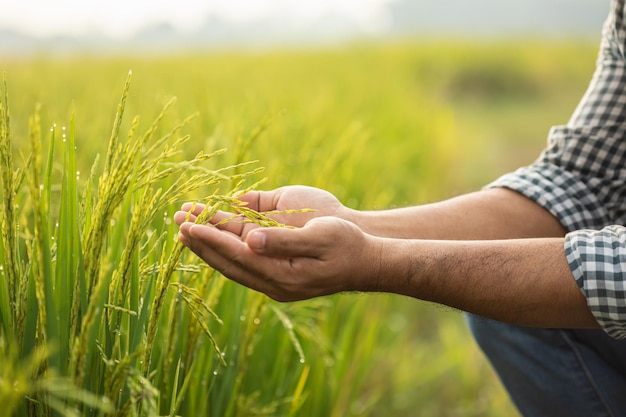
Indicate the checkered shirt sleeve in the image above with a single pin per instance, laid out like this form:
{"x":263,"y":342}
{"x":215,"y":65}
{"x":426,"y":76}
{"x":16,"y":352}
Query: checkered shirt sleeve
{"x":581,"y":179}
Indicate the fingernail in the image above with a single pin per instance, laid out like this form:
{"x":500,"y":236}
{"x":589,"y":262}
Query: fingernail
{"x":256,"y":240}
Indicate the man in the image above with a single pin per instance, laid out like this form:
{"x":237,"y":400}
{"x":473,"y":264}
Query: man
{"x":538,"y":258}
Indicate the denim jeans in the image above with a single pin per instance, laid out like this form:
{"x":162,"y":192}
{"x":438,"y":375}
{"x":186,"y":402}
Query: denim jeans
{"x":554,"y":372}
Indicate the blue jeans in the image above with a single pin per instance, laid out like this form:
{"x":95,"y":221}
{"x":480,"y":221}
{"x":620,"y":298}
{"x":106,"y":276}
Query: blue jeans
{"x":553,"y":372}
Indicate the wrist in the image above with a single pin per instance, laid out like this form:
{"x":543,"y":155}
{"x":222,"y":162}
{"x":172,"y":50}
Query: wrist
{"x":396,"y":266}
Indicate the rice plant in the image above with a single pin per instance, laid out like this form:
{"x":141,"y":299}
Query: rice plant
{"x":100,"y":314}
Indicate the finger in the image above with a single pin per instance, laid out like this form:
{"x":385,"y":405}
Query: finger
{"x":197,"y":207}
{"x":228,"y":221}
{"x":183,"y":216}
{"x":233,"y":258}
{"x":204,"y":240}
{"x":183,"y":239}
{"x":215,"y":260}
{"x":251,"y":198}
{"x":188,"y":212}
{"x":309,"y":242}
{"x":261,"y":200}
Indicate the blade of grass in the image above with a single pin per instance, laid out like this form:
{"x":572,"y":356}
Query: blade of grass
{"x":68,"y":289}
{"x":298,"y":396}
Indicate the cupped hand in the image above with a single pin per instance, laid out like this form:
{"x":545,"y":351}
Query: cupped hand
{"x":327,"y":255}
{"x":294,"y":197}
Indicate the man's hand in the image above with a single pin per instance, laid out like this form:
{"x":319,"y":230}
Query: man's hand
{"x":298,"y":197}
{"x":327,"y":255}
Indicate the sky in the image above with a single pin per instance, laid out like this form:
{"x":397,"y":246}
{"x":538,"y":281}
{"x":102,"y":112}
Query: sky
{"x":120,"y":18}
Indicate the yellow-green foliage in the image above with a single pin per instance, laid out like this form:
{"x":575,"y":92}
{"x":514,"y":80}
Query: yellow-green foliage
{"x":103,"y":313}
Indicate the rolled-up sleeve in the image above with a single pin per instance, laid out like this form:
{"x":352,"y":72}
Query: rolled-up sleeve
{"x":598,"y":262}
{"x":581,"y":179}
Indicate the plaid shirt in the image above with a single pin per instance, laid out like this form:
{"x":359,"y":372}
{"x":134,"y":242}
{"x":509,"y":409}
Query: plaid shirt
{"x":581,"y":179}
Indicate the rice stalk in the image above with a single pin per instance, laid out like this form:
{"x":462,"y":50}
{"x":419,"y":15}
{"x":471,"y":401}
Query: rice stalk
{"x":114,"y":183}
{"x":112,"y":187}
{"x":41,"y":322}
{"x":289,"y":328}
{"x":116,"y":374}
{"x":16,"y":375}
{"x":201,"y":312}
{"x":208,"y":285}
{"x":10,"y":268}
{"x":258,"y":303}
{"x":168,"y":266}
{"x":144,"y":396}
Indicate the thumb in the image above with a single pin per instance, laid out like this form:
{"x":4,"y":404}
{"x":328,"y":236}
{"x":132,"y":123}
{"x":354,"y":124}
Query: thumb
{"x":284,"y":242}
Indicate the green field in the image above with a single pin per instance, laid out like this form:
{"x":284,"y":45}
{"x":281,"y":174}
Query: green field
{"x":378,"y":125}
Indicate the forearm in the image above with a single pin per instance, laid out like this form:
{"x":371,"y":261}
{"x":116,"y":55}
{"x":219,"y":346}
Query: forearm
{"x":488,"y":214}
{"x":523,"y":281}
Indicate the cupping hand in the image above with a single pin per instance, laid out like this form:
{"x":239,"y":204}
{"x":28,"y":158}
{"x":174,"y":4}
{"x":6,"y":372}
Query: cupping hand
{"x":325,"y":256}
{"x":296,"y":197}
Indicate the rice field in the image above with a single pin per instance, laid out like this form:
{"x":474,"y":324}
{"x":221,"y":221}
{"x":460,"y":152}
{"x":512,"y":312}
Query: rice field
{"x":102,"y":311}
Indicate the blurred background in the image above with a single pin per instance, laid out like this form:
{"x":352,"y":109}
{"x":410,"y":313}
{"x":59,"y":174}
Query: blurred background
{"x":69,"y":25}
{"x":385,"y":103}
